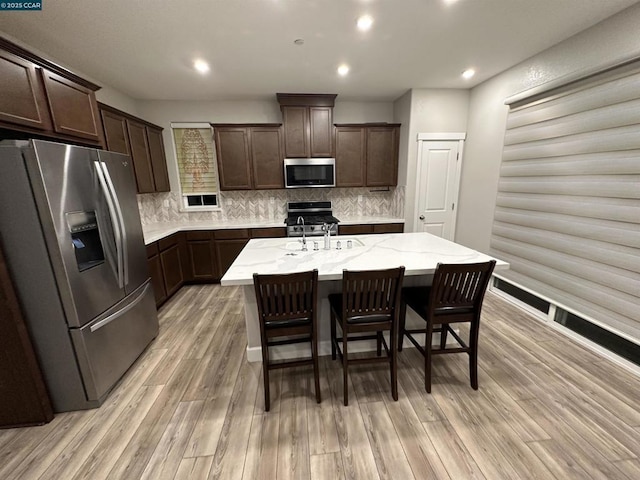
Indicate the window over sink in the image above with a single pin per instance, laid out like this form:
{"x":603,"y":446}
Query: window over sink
{"x":197,"y":166}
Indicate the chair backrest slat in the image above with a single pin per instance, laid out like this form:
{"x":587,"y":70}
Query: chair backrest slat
{"x":459,"y":286}
{"x":281,"y":297}
{"x":371,"y":292}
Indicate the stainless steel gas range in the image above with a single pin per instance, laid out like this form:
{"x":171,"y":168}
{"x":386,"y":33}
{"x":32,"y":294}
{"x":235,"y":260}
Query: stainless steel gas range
{"x":310,"y":217}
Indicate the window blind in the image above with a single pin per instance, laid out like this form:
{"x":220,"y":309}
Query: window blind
{"x":567,"y":214}
{"x":195,"y":157}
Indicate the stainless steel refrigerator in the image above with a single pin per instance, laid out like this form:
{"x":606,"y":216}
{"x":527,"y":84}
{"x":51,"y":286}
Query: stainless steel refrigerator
{"x":70,"y":228}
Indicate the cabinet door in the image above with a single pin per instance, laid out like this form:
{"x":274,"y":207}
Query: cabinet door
{"x":22,"y":99}
{"x":74,"y":110}
{"x":321,"y":131}
{"x":171,"y":269}
{"x":350,"y":156}
{"x":157,"y":279}
{"x":296,"y":131}
{"x":232,"y":147}
{"x":382,"y":156}
{"x":202,"y":261}
{"x":267,"y":157}
{"x":115,"y":132}
{"x":158,"y":159}
{"x":227,"y":251}
{"x":140,"y":156}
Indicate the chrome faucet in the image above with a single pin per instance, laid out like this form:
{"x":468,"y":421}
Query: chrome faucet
{"x":304,"y":238}
{"x":326,"y":228}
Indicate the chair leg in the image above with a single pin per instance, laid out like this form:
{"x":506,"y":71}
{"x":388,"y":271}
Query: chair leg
{"x":394,"y":363}
{"x":333,"y":335}
{"x":265,"y":376}
{"x":473,"y":357}
{"x":428,"y":340}
{"x":443,"y":336}
{"x":379,"y":342}
{"x":316,"y":368}
{"x":402,"y":319}
{"x":345,"y":367}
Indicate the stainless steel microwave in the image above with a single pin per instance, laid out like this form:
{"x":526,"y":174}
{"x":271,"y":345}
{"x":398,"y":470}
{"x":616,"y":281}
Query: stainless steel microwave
{"x":309,"y":172}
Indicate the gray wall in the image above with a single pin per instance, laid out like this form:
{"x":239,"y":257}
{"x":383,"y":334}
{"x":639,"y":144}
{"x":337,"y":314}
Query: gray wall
{"x":429,"y":111}
{"x":617,"y":37}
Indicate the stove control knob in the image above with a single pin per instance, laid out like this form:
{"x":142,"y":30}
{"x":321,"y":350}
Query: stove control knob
{"x":312,"y":227}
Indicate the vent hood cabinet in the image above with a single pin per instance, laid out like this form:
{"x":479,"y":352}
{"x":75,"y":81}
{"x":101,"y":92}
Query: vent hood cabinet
{"x":308,"y":124}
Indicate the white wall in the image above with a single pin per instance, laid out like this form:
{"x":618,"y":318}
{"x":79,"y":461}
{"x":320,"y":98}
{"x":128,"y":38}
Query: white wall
{"x":162,"y":113}
{"x":616,"y":38}
{"x":431,"y":111}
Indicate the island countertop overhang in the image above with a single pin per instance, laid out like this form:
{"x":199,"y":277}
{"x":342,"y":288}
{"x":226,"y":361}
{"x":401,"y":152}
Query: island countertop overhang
{"x":418,"y":252}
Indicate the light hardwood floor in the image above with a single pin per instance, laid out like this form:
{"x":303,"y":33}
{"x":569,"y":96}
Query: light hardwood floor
{"x":192,"y":408}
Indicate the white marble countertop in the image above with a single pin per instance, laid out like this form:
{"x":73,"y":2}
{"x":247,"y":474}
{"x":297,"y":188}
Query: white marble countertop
{"x":157,"y":231}
{"x":418,"y":252}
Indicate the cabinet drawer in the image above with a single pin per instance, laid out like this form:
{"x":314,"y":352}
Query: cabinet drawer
{"x":199,"y":235}
{"x":272,"y":232}
{"x":152,"y":249}
{"x":167,"y":242}
{"x":355,"y":229}
{"x":231,"y":234}
{"x":388,"y":228}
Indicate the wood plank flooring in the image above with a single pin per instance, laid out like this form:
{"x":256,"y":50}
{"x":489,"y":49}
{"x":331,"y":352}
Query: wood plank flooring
{"x":192,"y":408}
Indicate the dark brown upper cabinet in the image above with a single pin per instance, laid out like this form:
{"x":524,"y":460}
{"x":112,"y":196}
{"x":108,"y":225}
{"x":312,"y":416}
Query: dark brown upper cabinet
{"x":350,"y":156}
{"x":40,"y":97}
{"x":250,"y":156}
{"x":367,"y":155}
{"x":124,"y":133}
{"x":308,"y":124}
{"x":22,"y":100}
{"x":73,"y":107}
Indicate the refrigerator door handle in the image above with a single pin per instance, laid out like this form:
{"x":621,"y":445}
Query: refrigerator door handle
{"x":124,"y":240}
{"x":115,"y":222}
{"x":105,"y":321}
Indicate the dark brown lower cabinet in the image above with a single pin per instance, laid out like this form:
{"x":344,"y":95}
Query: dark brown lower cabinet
{"x":157,"y":280}
{"x":229,"y":244}
{"x":171,"y":269}
{"x":23,"y":395}
{"x":269,"y":232}
{"x":202,"y":265}
{"x":166,"y":260}
{"x":363,"y":229}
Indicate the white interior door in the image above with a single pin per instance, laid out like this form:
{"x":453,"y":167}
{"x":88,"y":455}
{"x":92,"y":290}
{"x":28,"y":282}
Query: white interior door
{"x":438,"y":181}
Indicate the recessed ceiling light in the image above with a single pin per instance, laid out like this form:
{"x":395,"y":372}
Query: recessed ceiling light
{"x":201,"y":66}
{"x":468,"y":73}
{"x":343,"y":70}
{"x":365,"y":22}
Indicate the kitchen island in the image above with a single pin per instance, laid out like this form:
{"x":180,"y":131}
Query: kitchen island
{"x":418,"y":252}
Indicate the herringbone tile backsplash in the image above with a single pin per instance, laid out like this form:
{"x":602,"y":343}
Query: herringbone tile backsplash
{"x":272,"y":204}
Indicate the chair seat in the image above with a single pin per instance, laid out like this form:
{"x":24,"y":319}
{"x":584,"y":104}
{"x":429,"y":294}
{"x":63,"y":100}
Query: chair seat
{"x":418,"y":299}
{"x":335,"y":300}
{"x":286,"y":323}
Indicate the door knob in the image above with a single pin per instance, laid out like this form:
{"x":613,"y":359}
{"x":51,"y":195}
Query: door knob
{"x":421,"y":217}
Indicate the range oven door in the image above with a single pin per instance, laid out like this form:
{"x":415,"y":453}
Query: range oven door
{"x":309,"y":172}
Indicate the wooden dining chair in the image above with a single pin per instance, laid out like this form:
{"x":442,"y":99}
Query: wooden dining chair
{"x":455,"y":296}
{"x":287,"y":312}
{"x":369,"y":303}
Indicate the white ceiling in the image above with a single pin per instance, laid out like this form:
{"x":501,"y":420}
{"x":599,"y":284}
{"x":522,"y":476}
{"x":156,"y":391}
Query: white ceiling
{"x":145,"y":48}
